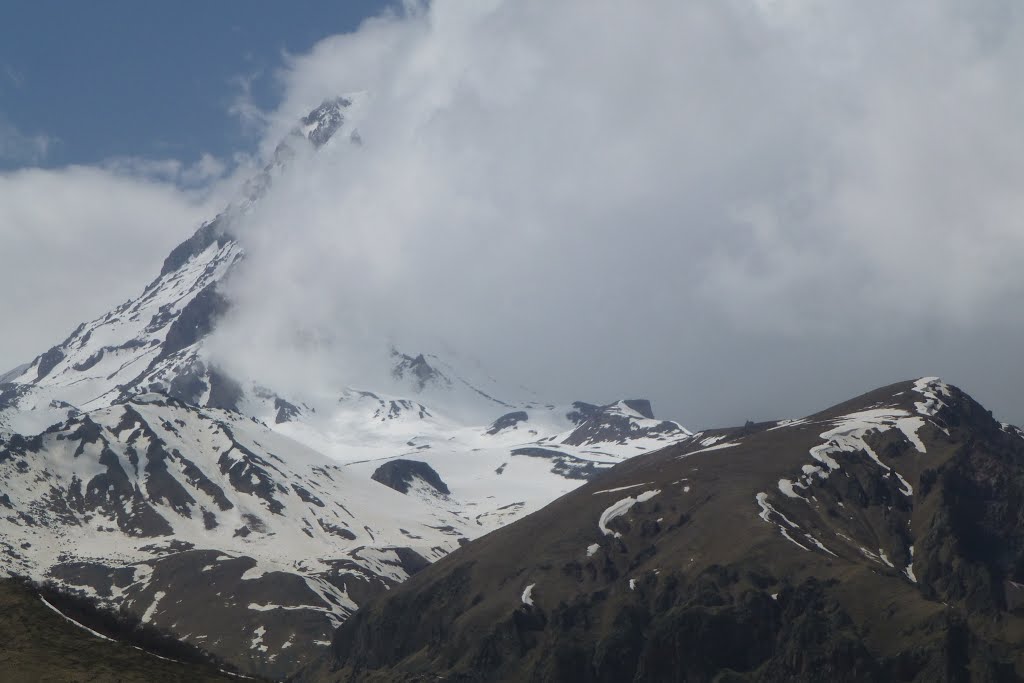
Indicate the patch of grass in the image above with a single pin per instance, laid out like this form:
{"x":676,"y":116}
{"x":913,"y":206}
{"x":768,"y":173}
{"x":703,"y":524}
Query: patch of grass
{"x":37,"y":644}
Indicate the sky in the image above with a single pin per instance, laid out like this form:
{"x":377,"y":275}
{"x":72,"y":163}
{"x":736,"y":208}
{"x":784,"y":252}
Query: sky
{"x":740,"y":209}
{"x":85,"y":82}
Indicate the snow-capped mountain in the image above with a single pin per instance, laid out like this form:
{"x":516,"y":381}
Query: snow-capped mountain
{"x":247,"y":520}
{"x":204,"y":521}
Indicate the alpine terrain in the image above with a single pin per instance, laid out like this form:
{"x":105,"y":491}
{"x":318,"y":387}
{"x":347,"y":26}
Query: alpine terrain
{"x":249,"y":522}
{"x":878,"y":540}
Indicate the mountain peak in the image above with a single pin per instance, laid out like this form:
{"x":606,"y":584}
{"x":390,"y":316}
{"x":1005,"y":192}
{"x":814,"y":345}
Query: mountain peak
{"x":319,"y":125}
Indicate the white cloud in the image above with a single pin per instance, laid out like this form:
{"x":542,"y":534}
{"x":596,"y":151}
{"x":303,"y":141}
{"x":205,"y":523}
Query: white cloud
{"x":15,"y":76}
{"x":703,"y":202}
{"x":19,"y":147}
{"x":75,"y":242}
{"x":243,"y":105}
{"x":202,"y":173}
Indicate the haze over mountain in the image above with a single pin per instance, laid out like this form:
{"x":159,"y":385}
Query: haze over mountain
{"x":715,"y":195}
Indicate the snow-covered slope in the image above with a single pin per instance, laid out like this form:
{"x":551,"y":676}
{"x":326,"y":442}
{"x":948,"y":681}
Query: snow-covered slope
{"x":137,"y":471}
{"x":180,"y":513}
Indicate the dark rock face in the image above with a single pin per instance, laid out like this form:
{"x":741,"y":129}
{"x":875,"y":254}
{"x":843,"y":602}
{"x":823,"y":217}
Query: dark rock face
{"x":210,"y":233}
{"x":581,"y":412}
{"x":725,"y":565}
{"x":392,"y":409}
{"x":189,"y":384}
{"x":194,"y":322}
{"x":225,"y":393}
{"x":48,"y":361}
{"x":508,"y":421}
{"x":642,"y":406}
{"x":411,"y":561}
{"x":90,"y":362}
{"x":399,"y":474}
{"x":609,"y":424}
{"x":10,"y":393}
{"x":285,"y":411}
{"x":974,"y":551}
{"x":326,"y":119}
{"x":416,"y":369}
{"x":248,"y":473}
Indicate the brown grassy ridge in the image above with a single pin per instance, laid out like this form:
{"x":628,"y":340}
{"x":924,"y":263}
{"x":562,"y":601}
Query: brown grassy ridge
{"x":37,"y":644}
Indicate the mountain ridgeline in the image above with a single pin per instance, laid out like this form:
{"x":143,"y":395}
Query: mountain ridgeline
{"x":879,"y":540}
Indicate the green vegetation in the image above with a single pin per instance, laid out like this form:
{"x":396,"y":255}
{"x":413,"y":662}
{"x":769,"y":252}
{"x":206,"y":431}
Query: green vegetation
{"x":37,"y":644}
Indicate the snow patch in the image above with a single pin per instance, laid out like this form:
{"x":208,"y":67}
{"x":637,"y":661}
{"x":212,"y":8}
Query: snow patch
{"x":766,"y":509}
{"x":716,"y":447}
{"x":909,"y":570}
{"x":931,"y":388}
{"x":782,"y":424}
{"x":621,"y":488}
{"x":619,"y":508}
{"x":151,"y":610}
{"x":790,"y":538}
{"x":786,"y":486}
{"x":910,"y":426}
{"x":819,"y":545}
{"x":72,"y":621}
{"x":908,"y":490}
{"x":257,"y":640}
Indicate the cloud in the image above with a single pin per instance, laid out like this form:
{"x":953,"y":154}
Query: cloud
{"x":251,"y":117}
{"x":742,"y":209}
{"x":75,"y":242}
{"x":203,"y":173}
{"x":19,"y":147}
{"x":15,"y":76}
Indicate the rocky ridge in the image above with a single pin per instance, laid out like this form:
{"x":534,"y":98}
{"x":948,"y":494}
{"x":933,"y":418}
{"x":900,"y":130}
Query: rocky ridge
{"x":879,"y":540}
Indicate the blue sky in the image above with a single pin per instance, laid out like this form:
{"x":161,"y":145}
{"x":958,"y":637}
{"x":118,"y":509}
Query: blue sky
{"x":81,"y":82}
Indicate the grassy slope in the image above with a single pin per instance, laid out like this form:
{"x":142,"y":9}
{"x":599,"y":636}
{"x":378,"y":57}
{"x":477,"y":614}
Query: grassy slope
{"x":36,"y":644}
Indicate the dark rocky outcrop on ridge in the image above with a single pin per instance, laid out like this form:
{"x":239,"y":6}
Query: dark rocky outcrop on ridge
{"x":399,"y":474}
{"x":508,"y":421}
